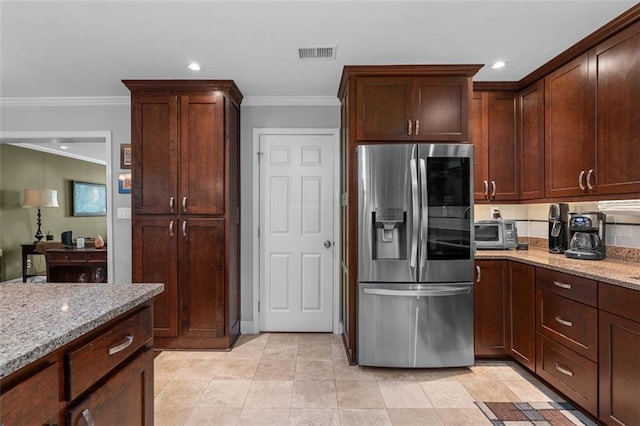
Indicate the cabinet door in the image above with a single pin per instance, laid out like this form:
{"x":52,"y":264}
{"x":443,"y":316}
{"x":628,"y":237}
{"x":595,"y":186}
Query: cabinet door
{"x":501,"y":144}
{"x":618,"y":91}
{"x":155,"y":260}
{"x":384,"y":109}
{"x":155,"y":153}
{"x":202,"y":154}
{"x":479,"y":133}
{"x":522,"y":300}
{"x":441,"y":109}
{"x":569,"y":124}
{"x":531,"y":141}
{"x":202,"y":278}
{"x":33,"y":401}
{"x":491,"y":314}
{"x":124,"y":399}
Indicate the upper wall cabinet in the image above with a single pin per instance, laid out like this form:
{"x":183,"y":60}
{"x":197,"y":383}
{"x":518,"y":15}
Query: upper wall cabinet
{"x":531,"y":141}
{"x":405,"y":104}
{"x":618,"y":113}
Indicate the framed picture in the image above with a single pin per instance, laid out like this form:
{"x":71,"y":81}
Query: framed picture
{"x":88,"y":199}
{"x":124,"y":183}
{"x":125,"y":156}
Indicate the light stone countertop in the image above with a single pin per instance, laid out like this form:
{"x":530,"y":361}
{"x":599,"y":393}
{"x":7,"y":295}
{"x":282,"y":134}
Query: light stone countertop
{"x":617,"y":272}
{"x":37,"y":319}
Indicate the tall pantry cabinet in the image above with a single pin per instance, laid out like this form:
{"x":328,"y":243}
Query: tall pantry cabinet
{"x":185,"y":139}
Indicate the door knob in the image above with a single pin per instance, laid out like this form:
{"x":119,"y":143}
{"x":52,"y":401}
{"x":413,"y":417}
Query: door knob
{"x":328,"y":244}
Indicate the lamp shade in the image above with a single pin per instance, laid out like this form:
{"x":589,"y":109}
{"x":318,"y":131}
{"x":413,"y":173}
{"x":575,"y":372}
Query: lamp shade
{"x":40,"y":198}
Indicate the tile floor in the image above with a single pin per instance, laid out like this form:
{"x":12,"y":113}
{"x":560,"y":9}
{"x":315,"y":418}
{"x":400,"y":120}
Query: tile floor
{"x":290,"y":378}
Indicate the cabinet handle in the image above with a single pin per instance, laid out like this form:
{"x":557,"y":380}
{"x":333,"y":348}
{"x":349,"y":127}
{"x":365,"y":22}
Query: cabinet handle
{"x":563,"y":322}
{"x":417,"y":128}
{"x":184,"y":204}
{"x":409,"y":127}
{"x":171,"y":229}
{"x":580,"y":176}
{"x":493,"y":189}
{"x":86,"y":414}
{"x":479,"y":273}
{"x":562,"y":285}
{"x":589,"y":174}
{"x":128,"y":340}
{"x":171,"y":204}
{"x":184,"y":228}
{"x":485,"y":186}
{"x":563,"y":370}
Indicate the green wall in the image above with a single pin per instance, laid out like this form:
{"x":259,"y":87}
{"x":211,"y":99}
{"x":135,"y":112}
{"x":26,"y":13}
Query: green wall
{"x":22,"y":168}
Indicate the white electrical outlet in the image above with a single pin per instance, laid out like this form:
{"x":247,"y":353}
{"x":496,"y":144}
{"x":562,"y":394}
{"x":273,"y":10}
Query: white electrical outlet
{"x":29,"y":263}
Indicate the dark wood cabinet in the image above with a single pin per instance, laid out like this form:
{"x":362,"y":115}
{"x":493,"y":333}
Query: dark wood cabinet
{"x":35,"y":398}
{"x":491,"y":311}
{"x":530,"y":125}
{"x":76,"y":265}
{"x":522,"y":313}
{"x":619,"y":366}
{"x":570,"y":128}
{"x":186,"y":207}
{"x":494,"y":139}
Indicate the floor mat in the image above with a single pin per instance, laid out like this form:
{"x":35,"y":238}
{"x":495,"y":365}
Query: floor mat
{"x":534,"y":413}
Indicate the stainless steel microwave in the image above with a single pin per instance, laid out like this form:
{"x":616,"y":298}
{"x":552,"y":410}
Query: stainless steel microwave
{"x":496,"y":234}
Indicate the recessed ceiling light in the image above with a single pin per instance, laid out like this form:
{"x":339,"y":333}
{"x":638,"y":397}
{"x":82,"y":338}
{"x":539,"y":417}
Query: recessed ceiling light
{"x":63,"y":147}
{"x":193,"y":66}
{"x":498,"y":64}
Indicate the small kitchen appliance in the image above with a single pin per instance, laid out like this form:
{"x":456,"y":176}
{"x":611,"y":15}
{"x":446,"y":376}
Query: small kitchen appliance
{"x":496,"y":234}
{"x":586,"y":235}
{"x":558,"y":227}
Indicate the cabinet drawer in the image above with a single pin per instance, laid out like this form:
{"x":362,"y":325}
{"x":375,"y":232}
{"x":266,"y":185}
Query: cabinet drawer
{"x":35,"y":399}
{"x":572,"y":374}
{"x":96,"y":256}
{"x":621,"y":301}
{"x":571,"y":323}
{"x":87,"y":364}
{"x":580,"y":289}
{"x":65,"y":256}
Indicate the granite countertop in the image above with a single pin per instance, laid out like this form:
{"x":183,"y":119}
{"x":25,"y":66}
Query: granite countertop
{"x":37,"y":319}
{"x":617,"y":272}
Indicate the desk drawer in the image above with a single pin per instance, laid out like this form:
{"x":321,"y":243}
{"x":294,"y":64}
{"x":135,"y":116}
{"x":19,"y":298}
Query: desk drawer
{"x":570,"y":373}
{"x":580,"y":289}
{"x":96,"y":256}
{"x":87,"y":364}
{"x":65,"y":256}
{"x":571,"y":323}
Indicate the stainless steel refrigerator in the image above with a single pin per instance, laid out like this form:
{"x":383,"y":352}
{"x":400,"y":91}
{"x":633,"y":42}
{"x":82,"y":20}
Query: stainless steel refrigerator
{"x":415,"y":262}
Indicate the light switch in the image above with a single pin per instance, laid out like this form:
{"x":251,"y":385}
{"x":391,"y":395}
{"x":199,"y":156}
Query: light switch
{"x":124,"y":213}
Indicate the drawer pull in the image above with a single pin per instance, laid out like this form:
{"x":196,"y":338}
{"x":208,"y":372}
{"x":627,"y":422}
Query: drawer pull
{"x":564,"y":322}
{"x":86,"y":414}
{"x":562,"y":285}
{"x":122,"y":346}
{"x":564,"y":370}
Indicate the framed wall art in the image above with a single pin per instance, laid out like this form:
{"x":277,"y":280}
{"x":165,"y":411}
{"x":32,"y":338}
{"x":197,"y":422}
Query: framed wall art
{"x":125,"y":156}
{"x":124,"y":183}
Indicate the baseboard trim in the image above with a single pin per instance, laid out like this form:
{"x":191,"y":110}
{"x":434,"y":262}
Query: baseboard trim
{"x":248,"y":327}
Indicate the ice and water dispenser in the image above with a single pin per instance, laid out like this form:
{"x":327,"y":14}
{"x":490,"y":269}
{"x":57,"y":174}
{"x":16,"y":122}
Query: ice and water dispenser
{"x":389,"y":233}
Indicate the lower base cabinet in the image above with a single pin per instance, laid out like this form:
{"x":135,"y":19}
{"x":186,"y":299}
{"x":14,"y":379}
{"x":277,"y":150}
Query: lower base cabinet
{"x":491,"y":320}
{"x":522,"y":313}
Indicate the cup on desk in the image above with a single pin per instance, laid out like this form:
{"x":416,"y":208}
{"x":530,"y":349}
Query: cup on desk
{"x":80,"y":243}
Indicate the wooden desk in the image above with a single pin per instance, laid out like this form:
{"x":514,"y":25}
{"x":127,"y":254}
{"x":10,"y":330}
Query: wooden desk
{"x":66,"y":265}
{"x":28,"y":250}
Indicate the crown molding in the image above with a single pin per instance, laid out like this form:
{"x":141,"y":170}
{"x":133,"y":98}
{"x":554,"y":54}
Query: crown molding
{"x":66,"y":101}
{"x":290,"y":101}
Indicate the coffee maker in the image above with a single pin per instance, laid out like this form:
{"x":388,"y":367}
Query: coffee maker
{"x":586,"y":235}
{"x":558,"y":227}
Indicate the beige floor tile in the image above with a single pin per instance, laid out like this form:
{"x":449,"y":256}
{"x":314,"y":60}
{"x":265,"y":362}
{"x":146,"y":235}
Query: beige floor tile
{"x":276,"y":369}
{"x":463,"y":417}
{"x":159,"y":384}
{"x":359,"y":394}
{"x":315,"y":338}
{"x":170,"y":416}
{"x":233,"y":369}
{"x":181,"y":393}
{"x":403,"y":394}
{"x":394,"y":374}
{"x":204,"y":416}
{"x":274,"y":351}
{"x":197,"y":369}
{"x":315,"y":351}
{"x":283,"y":338}
{"x":314,"y":417}
{"x":448,"y":394}
{"x":174,"y":355}
{"x":476,"y":373}
{"x":415,"y":416}
{"x":263,"y":416}
{"x":166,"y":368}
{"x":210,"y":355}
{"x":344,"y":371}
{"x":505,"y":372}
{"x":269,"y":394}
{"x":314,"y":394}
{"x":314,"y":370}
{"x":364,"y":417}
{"x":526,"y":391}
{"x":225,"y":393}
{"x":490,"y":391}
{"x":440,"y":374}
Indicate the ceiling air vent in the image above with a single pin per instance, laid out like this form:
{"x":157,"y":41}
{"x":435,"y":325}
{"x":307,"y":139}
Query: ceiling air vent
{"x":317,"y":53}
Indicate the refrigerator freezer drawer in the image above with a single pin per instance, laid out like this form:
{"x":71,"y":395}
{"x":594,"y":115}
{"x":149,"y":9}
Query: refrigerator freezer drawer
{"x":415,"y":325}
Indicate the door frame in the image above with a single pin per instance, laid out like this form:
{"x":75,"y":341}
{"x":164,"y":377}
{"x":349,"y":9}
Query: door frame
{"x":257,"y":279}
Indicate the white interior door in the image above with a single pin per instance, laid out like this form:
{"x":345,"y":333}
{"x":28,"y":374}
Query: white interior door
{"x":296,"y":232}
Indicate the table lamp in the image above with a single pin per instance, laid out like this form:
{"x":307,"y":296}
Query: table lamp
{"x":40,"y":198}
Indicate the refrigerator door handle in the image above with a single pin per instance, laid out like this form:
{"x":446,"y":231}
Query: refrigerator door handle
{"x":414,"y":211}
{"x":424,"y":222}
{"x":418,"y":293}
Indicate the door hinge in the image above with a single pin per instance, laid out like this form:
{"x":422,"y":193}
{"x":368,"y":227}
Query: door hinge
{"x":258,"y":306}
{"x":258,"y":232}
{"x":260,"y":154}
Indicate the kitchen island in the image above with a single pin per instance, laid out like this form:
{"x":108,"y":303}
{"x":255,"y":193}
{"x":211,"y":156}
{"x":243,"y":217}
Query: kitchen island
{"x":72,"y":350}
